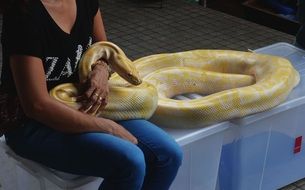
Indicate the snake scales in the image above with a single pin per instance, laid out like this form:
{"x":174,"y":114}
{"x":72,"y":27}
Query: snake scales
{"x":233,"y":84}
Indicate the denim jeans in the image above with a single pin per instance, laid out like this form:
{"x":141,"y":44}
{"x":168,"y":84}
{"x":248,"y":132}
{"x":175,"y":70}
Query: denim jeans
{"x":150,"y":165}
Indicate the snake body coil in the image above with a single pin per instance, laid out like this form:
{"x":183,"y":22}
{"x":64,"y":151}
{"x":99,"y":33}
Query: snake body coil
{"x":126,"y":101}
{"x":233,"y":84}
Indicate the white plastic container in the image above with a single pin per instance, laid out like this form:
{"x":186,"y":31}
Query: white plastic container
{"x":201,"y":148}
{"x":260,"y":151}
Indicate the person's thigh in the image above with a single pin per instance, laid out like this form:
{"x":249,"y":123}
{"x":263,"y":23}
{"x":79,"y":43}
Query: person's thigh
{"x":94,"y":154}
{"x":155,"y":143}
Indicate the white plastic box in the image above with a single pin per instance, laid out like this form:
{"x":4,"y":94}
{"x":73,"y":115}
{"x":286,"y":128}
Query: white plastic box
{"x":258,"y":151}
{"x":201,"y":149}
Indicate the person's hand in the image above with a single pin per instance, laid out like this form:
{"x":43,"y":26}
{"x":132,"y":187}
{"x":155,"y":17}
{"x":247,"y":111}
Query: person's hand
{"x":115,"y":129}
{"x":96,"y":89}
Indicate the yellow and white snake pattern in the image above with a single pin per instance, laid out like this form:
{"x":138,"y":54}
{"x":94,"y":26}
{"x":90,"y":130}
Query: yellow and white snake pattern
{"x":233,"y":84}
{"x":126,"y":101}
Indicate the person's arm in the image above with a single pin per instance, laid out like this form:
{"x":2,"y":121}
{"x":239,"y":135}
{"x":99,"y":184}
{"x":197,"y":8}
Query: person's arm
{"x":99,"y":33}
{"x":29,"y":77}
{"x":96,"y":94}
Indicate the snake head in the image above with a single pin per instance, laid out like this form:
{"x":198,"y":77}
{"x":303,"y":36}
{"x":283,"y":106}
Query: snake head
{"x":126,"y":69}
{"x":133,"y":78}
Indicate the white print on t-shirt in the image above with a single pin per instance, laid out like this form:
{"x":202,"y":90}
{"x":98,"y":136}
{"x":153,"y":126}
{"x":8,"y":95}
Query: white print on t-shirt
{"x":89,"y":43}
{"x":79,"y":52}
{"x":53,"y":61}
{"x":67,"y":70}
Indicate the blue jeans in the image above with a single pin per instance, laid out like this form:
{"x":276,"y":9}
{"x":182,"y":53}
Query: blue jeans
{"x":150,"y":165}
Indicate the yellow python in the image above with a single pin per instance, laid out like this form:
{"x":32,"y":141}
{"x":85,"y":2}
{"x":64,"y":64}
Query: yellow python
{"x":234,"y":84}
{"x":125,"y":100}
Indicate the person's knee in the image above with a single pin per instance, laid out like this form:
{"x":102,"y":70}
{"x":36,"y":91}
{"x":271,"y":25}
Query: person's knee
{"x":130,"y":170}
{"x":173,"y":155}
{"x":176,"y":155}
{"x":134,"y":162}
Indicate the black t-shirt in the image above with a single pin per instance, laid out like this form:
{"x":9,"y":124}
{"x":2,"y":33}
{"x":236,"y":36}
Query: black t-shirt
{"x":33,"y":32}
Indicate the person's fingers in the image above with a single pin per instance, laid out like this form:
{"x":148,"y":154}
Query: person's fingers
{"x":104,"y":95}
{"x":95,"y":96}
{"x":125,"y":134}
{"x":90,"y":92}
{"x":86,"y":109}
{"x":88,"y":103}
{"x":104,"y":102}
{"x":95,"y":88}
{"x":128,"y":136}
{"x":95,"y":106}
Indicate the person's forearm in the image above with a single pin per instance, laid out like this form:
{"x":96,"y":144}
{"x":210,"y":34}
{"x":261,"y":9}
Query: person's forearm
{"x":29,"y":77}
{"x":62,"y":118}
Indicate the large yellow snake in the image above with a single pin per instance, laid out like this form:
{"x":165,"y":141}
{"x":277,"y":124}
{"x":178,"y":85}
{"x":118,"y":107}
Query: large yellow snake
{"x":126,"y":101}
{"x":233,"y":84}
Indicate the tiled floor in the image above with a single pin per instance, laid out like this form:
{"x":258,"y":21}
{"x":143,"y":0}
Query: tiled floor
{"x":180,"y":26}
{"x":141,"y":28}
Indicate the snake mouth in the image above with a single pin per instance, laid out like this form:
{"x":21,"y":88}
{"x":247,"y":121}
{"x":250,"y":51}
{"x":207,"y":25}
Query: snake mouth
{"x":136,"y":81}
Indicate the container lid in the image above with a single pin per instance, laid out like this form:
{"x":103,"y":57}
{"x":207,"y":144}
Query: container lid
{"x":297,"y":96}
{"x":187,"y":136}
